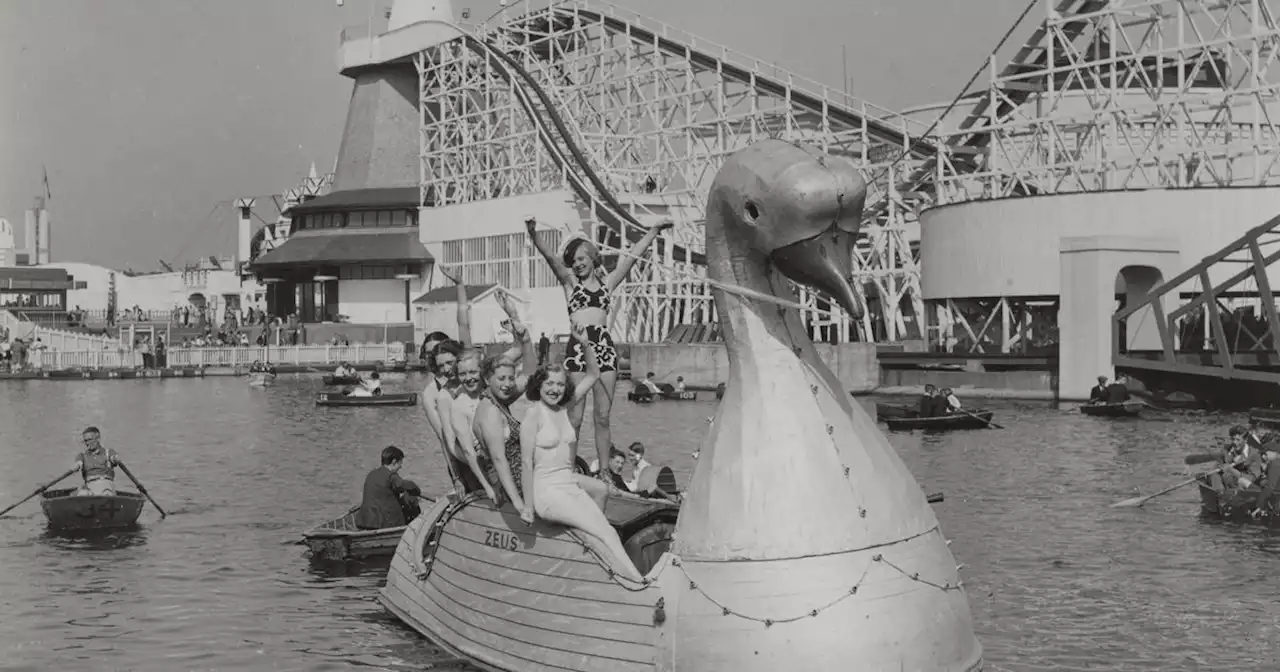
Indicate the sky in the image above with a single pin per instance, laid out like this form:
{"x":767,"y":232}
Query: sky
{"x":152,"y":116}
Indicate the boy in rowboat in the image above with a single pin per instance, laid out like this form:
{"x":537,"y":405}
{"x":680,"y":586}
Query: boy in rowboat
{"x":96,"y":465}
{"x":388,"y":500}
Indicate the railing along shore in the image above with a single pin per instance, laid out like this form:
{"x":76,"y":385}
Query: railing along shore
{"x":228,"y":357}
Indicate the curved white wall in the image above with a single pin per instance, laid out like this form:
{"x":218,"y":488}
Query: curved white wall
{"x":1009,"y":247}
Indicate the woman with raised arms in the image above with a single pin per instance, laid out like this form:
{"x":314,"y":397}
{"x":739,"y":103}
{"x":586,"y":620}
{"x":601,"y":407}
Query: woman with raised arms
{"x":588,"y":291}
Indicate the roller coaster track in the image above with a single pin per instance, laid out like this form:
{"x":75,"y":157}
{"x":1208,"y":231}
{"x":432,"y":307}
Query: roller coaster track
{"x":613,"y":214}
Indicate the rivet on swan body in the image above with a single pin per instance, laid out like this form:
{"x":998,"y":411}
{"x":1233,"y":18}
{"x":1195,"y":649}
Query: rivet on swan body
{"x":804,"y":542}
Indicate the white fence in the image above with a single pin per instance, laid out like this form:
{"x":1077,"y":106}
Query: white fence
{"x":300,"y":355}
{"x":57,"y":339}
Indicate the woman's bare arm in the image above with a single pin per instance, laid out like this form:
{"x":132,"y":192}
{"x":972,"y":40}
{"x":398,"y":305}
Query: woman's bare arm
{"x":430,"y":398}
{"x":557,"y":267}
{"x":467,"y":442}
{"x":464,"y":304}
{"x":489,"y":424}
{"x":528,"y":438}
{"x":628,"y":260}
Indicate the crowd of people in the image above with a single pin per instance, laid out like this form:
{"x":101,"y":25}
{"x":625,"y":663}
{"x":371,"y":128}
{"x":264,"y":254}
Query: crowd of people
{"x":531,"y":462}
{"x":938,"y":402}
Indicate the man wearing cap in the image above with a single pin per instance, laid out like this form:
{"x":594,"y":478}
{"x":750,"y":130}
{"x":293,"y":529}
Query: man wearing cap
{"x":96,"y":465}
{"x":1098,"y":395}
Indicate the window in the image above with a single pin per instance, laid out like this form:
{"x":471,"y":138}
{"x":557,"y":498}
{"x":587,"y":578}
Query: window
{"x":508,"y":259}
{"x":372,"y":271}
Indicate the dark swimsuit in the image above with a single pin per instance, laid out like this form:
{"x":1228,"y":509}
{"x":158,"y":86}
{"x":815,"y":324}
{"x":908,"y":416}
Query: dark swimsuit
{"x":606,"y":355}
{"x":511,"y":448}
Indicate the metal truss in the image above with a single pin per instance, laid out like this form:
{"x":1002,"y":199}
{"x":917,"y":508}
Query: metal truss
{"x":656,"y":111}
{"x":1124,"y":94}
{"x":1225,"y":329}
{"x":1021,"y":325}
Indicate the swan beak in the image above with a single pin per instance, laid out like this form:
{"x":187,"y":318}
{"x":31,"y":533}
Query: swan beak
{"x":823,"y":263}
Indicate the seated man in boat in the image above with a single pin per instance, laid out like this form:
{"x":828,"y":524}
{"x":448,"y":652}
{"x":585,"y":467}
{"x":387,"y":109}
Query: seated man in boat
{"x":930,"y":403}
{"x":1118,"y":392}
{"x":647,"y":385}
{"x":951,"y":401}
{"x":388,"y":500}
{"x":368,"y":387}
{"x":1242,"y":463}
{"x":96,"y":465}
{"x":1269,"y":481}
{"x":1098,"y":395}
{"x":617,"y":460}
{"x":344,"y":370}
{"x":679,"y":384}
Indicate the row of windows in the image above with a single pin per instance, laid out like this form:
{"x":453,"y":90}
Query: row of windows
{"x":361,"y":219}
{"x":510,"y":260}
{"x":372,"y":272}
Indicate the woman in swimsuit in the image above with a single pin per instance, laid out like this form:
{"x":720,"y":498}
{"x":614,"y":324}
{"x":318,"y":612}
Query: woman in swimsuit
{"x":588,"y":295}
{"x":497,"y":430}
{"x":457,"y":407}
{"x":549,"y":447}
{"x":442,"y":357}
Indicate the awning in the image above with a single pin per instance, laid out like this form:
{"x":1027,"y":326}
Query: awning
{"x":381,"y":198}
{"x":449,"y":293}
{"x":331,"y":248}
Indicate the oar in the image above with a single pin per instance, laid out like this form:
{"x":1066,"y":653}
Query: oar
{"x":1201,"y":458}
{"x":979,"y":417}
{"x":140,"y":488}
{"x":1135,"y":502}
{"x":934,"y":498}
{"x":39,"y":490}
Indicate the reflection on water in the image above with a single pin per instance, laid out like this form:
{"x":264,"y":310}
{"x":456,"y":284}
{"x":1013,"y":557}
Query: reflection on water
{"x":1057,"y":579}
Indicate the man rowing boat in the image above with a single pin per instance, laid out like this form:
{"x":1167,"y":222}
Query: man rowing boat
{"x":387,"y":499}
{"x":96,"y":465}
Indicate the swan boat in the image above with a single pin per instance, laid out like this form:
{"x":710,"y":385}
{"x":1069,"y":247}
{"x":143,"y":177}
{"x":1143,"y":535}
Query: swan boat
{"x":758,"y":574}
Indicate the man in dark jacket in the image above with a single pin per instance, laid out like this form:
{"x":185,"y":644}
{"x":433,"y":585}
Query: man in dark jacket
{"x":931,"y":405}
{"x":1098,"y":395}
{"x":1118,"y":392}
{"x":389,"y":501}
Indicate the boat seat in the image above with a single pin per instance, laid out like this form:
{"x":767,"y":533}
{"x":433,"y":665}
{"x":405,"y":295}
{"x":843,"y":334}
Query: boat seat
{"x":629,"y":513}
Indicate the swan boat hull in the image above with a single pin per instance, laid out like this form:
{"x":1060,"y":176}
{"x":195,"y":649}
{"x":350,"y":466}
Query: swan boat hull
{"x":479,"y":582}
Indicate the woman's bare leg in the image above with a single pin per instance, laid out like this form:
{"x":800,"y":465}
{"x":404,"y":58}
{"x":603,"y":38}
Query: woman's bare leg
{"x":602,"y":407}
{"x":577,"y":410}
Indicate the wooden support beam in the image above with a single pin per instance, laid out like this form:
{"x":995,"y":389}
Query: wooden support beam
{"x":1264,"y":289}
{"x":1215,"y":321}
{"x":1196,"y":369}
{"x":1163,"y":326}
{"x":1220,"y":290}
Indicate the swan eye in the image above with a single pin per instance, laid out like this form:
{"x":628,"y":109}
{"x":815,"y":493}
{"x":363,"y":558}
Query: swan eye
{"x":753,"y":212}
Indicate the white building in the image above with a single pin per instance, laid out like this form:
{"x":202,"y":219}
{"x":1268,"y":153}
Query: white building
{"x":215,"y":286}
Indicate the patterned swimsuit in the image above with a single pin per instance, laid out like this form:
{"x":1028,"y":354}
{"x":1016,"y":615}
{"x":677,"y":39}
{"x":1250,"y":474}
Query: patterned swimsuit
{"x":606,"y":355}
{"x":510,"y":448}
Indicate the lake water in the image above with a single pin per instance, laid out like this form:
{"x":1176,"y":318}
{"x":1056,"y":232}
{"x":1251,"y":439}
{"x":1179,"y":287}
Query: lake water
{"x":1057,"y":580}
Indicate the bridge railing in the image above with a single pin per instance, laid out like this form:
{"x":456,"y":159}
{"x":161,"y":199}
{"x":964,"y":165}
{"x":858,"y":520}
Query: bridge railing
{"x":1213,"y":319}
{"x":298,"y":355}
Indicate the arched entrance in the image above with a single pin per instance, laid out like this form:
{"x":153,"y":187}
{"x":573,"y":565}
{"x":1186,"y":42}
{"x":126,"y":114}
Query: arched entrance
{"x":1140,"y":331}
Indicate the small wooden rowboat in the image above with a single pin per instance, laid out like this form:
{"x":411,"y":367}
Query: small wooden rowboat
{"x":884,"y":411}
{"x":341,"y":380}
{"x":339,"y":399}
{"x":646,"y":397}
{"x":1235,"y":505}
{"x":975,"y":419}
{"x":340,"y":539}
{"x":68,"y":511}
{"x":484,"y":586}
{"x":260,"y":379}
{"x":1124,"y":409}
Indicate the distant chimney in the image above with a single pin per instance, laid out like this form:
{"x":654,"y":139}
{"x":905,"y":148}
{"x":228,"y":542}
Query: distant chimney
{"x":43,"y":240}
{"x":244,"y":231}
{"x":28,"y":247}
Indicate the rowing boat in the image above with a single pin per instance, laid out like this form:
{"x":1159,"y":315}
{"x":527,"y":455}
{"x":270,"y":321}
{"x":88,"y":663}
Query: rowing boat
{"x":1236,"y":505}
{"x":1268,"y":417}
{"x":260,"y":378}
{"x":978,"y":419}
{"x":68,"y":511}
{"x":884,"y":411}
{"x":339,"y":399}
{"x":646,"y":397}
{"x":485,"y":586}
{"x":340,"y":539}
{"x":1124,"y":409}
{"x":340,"y":380}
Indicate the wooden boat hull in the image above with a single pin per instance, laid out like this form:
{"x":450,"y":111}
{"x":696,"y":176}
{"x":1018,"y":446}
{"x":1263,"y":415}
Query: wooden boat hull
{"x":339,"y":399}
{"x":978,"y":419}
{"x":260,"y":379}
{"x":1127,"y":409}
{"x":340,"y":380}
{"x":482,"y":584}
{"x":1235,"y":506}
{"x":340,"y":539}
{"x":69,"y":511}
{"x":645,"y":397}
{"x":1267,"y":417}
{"x":884,"y":411}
